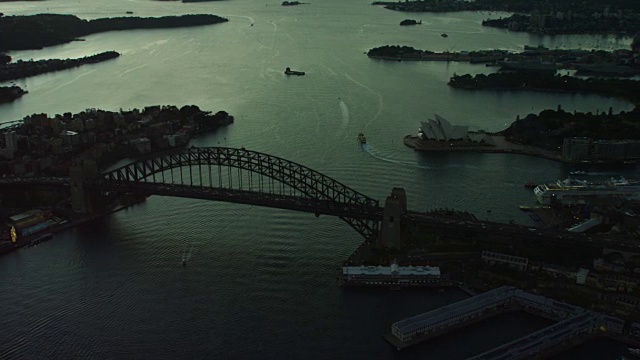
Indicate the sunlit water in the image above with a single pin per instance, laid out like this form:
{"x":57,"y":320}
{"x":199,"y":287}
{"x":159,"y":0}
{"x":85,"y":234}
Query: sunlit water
{"x":259,"y":283}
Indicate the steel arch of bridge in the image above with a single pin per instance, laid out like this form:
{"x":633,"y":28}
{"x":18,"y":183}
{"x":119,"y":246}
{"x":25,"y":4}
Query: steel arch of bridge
{"x":260,"y":179}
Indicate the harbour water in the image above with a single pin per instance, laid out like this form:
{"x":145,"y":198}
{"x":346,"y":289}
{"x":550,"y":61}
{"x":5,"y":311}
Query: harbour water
{"x":261,"y":281}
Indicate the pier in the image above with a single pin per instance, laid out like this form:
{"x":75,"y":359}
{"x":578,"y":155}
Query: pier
{"x":574,"y":324}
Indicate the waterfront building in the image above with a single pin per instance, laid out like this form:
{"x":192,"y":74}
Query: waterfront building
{"x":392,"y":275}
{"x":586,"y":149}
{"x":581,"y":276}
{"x":10,"y":144}
{"x":576,"y":148}
{"x":23,"y":218}
{"x":442,"y":130}
{"x":479,"y":306}
{"x":420,"y":325}
{"x":28,"y":223}
{"x":613,"y":324}
{"x":634,"y":329}
{"x":573,"y":322}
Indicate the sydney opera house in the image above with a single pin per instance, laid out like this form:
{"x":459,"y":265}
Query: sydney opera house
{"x":441,"y":129}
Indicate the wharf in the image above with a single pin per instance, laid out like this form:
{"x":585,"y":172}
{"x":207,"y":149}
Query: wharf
{"x":400,"y":345}
{"x":501,"y":146}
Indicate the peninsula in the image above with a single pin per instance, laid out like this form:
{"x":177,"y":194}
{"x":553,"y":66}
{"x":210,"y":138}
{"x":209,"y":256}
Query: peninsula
{"x":44,"y":146}
{"x":10,"y":93}
{"x":543,"y":135}
{"x":537,"y":81}
{"x":104,"y":136}
{"x":22,"y":69}
{"x":548,"y":129}
{"x":38,"y":31}
{"x":606,"y":63}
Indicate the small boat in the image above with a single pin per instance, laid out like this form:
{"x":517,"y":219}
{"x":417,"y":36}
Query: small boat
{"x":129,"y":12}
{"x":362,"y":139}
{"x":184,"y":263}
{"x":444,"y":35}
{"x":530,"y":185}
{"x":288,"y":71}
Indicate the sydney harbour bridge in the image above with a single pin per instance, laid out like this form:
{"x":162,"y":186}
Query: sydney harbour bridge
{"x":255,"y":178}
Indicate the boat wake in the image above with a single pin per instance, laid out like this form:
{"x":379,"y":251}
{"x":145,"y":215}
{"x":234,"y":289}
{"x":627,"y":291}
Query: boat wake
{"x":345,"y":114}
{"x":371,"y":151}
{"x":378,"y":95}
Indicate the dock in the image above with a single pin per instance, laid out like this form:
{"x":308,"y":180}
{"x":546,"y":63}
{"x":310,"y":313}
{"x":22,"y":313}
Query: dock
{"x":572,"y":323}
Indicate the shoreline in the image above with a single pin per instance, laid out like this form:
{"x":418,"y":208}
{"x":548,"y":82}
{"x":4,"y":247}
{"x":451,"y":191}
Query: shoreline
{"x":502,"y":146}
{"x":9,"y":247}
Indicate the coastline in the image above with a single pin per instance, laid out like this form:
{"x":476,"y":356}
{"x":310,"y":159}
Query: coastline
{"x":502,"y":146}
{"x":9,"y":247}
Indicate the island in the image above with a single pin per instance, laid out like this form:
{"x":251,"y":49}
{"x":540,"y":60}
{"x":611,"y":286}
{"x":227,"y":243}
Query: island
{"x":38,"y":31}
{"x":407,"y":22}
{"x":10,"y":93}
{"x":22,"y":69}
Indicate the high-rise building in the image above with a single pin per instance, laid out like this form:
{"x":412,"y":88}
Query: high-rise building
{"x":10,"y":144}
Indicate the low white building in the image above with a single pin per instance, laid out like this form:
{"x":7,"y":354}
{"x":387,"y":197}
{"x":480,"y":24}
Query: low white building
{"x":143,"y":145}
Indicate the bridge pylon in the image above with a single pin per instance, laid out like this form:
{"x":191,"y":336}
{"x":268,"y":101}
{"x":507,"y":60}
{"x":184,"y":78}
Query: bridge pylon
{"x":82,"y":199}
{"x":395,"y":207}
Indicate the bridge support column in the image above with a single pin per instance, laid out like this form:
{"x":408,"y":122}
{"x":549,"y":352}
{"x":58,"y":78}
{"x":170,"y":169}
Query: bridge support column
{"x":392,"y":228}
{"x":81,"y":200}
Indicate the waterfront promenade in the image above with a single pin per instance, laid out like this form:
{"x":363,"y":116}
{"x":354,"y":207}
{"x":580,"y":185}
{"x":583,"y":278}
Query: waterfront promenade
{"x":501,"y":145}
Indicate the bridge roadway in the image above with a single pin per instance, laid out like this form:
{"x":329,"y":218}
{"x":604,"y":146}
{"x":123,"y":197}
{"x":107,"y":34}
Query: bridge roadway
{"x":27,"y":182}
{"x":281,"y":201}
{"x":327,"y":207}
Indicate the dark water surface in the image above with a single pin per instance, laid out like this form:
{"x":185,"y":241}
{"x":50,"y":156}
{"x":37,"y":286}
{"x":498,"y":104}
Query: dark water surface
{"x":260,"y":282}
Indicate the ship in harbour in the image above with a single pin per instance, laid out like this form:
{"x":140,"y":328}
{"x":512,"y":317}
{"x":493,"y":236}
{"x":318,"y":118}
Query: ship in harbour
{"x":577,"y":192}
{"x":288,"y":71}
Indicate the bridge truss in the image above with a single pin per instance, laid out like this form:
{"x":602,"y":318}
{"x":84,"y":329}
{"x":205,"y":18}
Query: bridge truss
{"x":244,"y":176}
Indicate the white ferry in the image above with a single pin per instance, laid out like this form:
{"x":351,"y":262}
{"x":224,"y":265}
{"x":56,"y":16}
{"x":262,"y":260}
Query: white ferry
{"x":573,"y":192}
